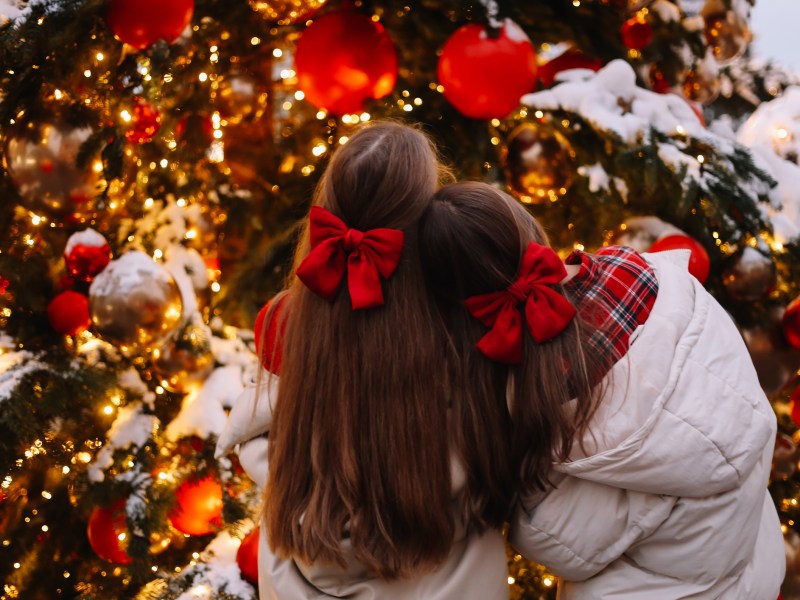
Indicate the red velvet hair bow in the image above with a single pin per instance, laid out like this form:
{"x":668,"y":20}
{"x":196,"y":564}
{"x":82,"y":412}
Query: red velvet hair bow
{"x":365,"y":256}
{"x":547,"y":312}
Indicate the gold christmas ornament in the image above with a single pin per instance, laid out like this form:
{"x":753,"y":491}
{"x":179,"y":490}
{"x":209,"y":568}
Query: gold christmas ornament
{"x":185,"y":359}
{"x":539,"y":163}
{"x":135,"y":302}
{"x":286,"y":11}
{"x":43,"y":170}
{"x":749,"y":275}
{"x":701,"y":84}
{"x":728,"y":35}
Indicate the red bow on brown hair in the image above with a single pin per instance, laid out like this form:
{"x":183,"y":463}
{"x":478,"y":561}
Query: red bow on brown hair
{"x":547,"y":313}
{"x":335,"y":248}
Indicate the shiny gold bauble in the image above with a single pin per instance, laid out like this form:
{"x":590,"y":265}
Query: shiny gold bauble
{"x":749,"y":275}
{"x":728,"y":35}
{"x":539,"y":163}
{"x":285,"y":11}
{"x":135,"y":302}
{"x":701,"y":85}
{"x":185,"y":359}
{"x":44,"y":171}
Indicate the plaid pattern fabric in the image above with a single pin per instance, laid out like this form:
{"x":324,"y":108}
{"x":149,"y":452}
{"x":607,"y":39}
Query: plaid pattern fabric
{"x":614,"y":292}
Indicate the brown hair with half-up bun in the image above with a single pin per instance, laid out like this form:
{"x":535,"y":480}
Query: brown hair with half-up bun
{"x":366,"y":420}
{"x":472,"y":238}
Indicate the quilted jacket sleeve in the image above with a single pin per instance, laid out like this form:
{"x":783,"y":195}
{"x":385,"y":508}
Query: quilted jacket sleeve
{"x":579,"y":527}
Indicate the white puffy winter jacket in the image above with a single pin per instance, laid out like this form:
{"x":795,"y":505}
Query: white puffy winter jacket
{"x":668,"y":498}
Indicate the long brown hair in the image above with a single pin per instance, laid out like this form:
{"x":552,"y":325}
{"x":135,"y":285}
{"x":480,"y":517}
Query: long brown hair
{"x":471,"y":241}
{"x":359,"y":444}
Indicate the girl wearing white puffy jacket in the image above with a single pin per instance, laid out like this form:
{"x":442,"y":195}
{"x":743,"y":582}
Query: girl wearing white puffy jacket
{"x":642,"y":436}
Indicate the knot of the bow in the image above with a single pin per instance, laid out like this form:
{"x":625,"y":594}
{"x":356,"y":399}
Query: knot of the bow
{"x":519,"y":290}
{"x":352,"y":240}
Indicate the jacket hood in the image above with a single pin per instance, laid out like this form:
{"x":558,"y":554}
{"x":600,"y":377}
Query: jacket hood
{"x":671,"y":420}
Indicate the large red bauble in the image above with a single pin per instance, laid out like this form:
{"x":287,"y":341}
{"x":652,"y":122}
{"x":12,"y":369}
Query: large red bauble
{"x":790,"y":323}
{"x":68,"y":313}
{"x":343,"y":59}
{"x":699,"y":264}
{"x":106,"y":526}
{"x":637,"y":33}
{"x":198,"y":508}
{"x":571,"y":59}
{"x":141,"y":23}
{"x":247,"y":556}
{"x":484,"y":77}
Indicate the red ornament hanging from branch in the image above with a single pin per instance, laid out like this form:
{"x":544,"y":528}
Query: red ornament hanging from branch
{"x":343,"y":59}
{"x":247,"y":556}
{"x":198,"y":508}
{"x":86,"y":254}
{"x":484,"y":75}
{"x":108,"y":532}
{"x":699,"y":264}
{"x":68,"y":313}
{"x":790,"y":323}
{"x":637,"y":33}
{"x":142,"y":122}
{"x":141,"y":23}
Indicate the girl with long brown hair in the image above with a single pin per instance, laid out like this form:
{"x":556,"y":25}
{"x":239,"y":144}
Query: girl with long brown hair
{"x":639,"y":429}
{"x":386,"y":478}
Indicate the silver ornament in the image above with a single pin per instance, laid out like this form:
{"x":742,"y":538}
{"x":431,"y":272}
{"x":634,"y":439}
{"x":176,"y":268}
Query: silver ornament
{"x":44,"y":171}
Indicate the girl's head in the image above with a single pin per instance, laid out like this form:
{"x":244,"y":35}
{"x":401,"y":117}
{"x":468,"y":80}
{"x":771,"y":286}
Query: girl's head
{"x":359,"y":446}
{"x":472,"y":238}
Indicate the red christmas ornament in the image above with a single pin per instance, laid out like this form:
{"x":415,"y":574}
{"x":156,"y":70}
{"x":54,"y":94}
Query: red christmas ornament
{"x":571,"y":59}
{"x":343,"y":59}
{"x":198,"y":508}
{"x":108,"y":532}
{"x":637,"y":33}
{"x":141,"y":23}
{"x":484,"y":77}
{"x":4,"y":283}
{"x":86,"y":254}
{"x":658,"y":81}
{"x":145,"y":121}
{"x":68,"y":313}
{"x":195,"y":130}
{"x":790,"y":323}
{"x":796,"y":406}
{"x":247,"y":556}
{"x":699,"y":264}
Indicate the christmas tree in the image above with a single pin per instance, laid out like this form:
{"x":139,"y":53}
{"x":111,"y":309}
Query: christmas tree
{"x":158,"y":156}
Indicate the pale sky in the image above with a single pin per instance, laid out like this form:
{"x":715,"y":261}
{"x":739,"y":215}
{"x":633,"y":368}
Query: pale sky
{"x":776,"y":31}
